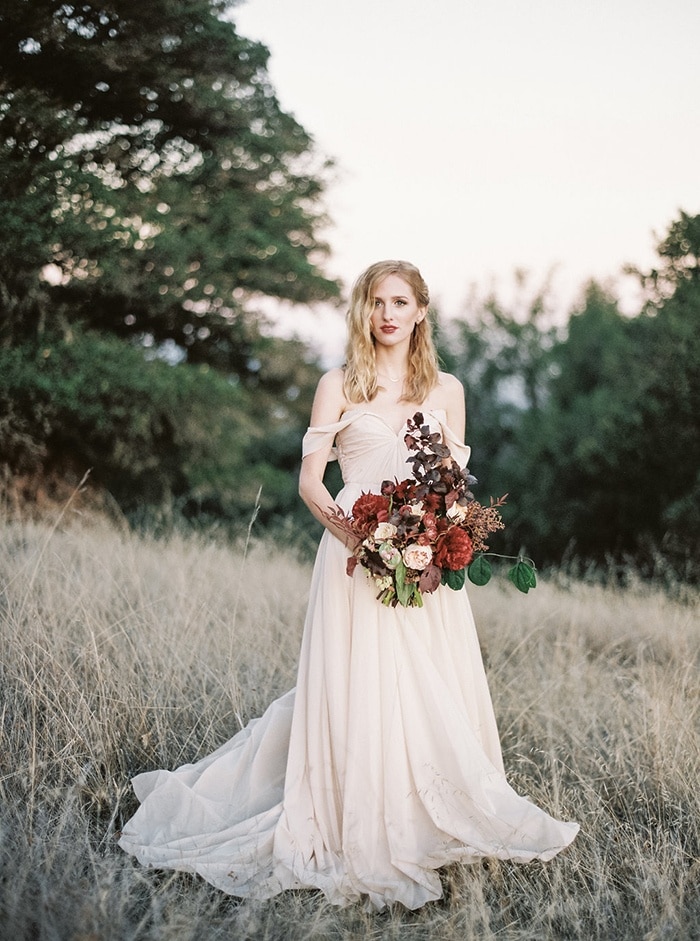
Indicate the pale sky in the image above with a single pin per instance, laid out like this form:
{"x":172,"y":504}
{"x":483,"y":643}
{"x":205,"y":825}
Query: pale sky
{"x":474,"y":138}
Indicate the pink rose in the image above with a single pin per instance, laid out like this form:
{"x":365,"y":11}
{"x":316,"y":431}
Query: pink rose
{"x":417,"y":557}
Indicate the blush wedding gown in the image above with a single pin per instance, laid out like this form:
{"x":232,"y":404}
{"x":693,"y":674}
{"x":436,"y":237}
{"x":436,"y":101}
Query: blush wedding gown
{"x":381,"y":766}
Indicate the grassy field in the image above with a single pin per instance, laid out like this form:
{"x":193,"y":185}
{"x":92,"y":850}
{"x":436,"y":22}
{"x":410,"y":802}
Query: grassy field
{"x":122,"y":653}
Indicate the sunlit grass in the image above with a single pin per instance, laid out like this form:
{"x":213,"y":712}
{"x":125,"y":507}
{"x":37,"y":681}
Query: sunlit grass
{"x":122,"y":653}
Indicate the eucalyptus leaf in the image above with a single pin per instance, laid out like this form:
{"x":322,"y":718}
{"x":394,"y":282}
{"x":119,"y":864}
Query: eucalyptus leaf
{"x":523,"y":576}
{"x":404,"y":589}
{"x":479,"y":572}
{"x":454,"y":579}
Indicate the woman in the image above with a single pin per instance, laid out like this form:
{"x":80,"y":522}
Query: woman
{"x":384,"y":763}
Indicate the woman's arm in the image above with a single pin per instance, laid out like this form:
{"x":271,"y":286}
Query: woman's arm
{"x":455,"y":407}
{"x":328,"y":407}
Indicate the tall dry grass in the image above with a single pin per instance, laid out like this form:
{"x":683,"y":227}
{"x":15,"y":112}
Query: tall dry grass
{"x":122,"y":653}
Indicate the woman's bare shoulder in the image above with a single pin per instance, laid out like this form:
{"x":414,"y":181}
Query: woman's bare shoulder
{"x":329,"y":401}
{"x":332,"y":381}
{"x":450,"y":384}
{"x":452,"y":400}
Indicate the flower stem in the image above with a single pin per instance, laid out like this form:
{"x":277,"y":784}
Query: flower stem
{"x":517,"y":558}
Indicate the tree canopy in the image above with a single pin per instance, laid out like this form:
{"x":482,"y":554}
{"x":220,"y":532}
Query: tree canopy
{"x":152,"y":189}
{"x":150,"y":182}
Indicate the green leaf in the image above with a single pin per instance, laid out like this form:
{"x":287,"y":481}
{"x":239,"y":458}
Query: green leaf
{"x":454,"y":579}
{"x":404,"y":589}
{"x":479,"y":571}
{"x":523,"y":576}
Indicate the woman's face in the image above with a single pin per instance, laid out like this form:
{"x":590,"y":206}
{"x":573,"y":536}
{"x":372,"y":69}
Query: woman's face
{"x":396,"y":311}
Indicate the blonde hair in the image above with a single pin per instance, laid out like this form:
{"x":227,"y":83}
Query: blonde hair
{"x":360,"y":381}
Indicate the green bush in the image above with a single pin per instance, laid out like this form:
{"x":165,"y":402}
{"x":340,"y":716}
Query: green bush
{"x":153,"y":434}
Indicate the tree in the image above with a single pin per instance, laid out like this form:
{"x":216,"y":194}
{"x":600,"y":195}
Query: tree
{"x":668,"y":335}
{"x":181,"y":439}
{"x":151,"y":190}
{"x":593,"y":429}
{"x":574,"y":459}
{"x":152,"y":183}
{"x":502,"y":356}
{"x":610,"y":466}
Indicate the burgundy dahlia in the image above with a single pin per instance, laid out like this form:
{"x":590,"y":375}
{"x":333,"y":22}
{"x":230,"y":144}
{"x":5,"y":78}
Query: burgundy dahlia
{"x":454,"y":549}
{"x":369,"y":510}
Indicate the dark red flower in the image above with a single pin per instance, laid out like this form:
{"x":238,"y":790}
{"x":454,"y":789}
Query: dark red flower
{"x":430,"y":525}
{"x":369,"y":510}
{"x":454,"y":549}
{"x":434,"y":501}
{"x":405,"y":490}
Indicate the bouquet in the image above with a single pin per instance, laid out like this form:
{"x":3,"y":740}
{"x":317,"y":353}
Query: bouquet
{"x":425,"y":531}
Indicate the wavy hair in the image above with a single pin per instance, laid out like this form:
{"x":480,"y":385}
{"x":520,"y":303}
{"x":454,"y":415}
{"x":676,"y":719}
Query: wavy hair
{"x":360,"y":381}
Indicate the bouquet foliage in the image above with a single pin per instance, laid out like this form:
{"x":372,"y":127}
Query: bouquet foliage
{"x":425,"y":531}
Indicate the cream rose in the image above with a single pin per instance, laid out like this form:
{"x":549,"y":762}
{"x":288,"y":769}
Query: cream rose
{"x":385,"y":531}
{"x":457,"y":512}
{"x":417,"y":557}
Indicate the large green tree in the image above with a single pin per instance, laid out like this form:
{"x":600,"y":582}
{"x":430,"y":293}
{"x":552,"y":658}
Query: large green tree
{"x":609,"y":469}
{"x":572,"y":467}
{"x":669,"y":343}
{"x":150,"y":183}
{"x":593,"y":429}
{"x":152,"y":190}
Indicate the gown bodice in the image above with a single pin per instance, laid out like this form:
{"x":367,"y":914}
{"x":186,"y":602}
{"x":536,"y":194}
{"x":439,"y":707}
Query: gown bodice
{"x":368,"y":449}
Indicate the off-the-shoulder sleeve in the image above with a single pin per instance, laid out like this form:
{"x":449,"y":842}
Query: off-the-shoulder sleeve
{"x":321,"y":435}
{"x":460,"y":452}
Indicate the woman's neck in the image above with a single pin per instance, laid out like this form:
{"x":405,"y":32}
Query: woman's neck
{"x":392,"y":368}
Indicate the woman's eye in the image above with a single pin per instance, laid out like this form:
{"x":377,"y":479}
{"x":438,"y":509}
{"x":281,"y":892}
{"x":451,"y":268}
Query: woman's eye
{"x":400,"y":302}
{"x":377,"y":302}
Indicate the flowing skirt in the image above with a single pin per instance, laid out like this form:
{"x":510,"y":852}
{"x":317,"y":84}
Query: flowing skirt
{"x":381,"y":766}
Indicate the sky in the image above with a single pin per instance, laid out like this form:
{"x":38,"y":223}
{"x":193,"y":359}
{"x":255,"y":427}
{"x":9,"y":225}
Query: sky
{"x":477,"y":137}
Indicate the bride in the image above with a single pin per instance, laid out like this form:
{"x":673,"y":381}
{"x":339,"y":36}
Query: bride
{"x":384,"y":763}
